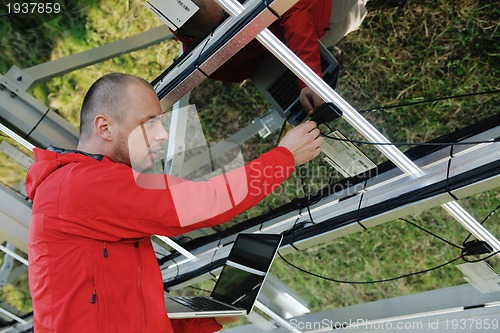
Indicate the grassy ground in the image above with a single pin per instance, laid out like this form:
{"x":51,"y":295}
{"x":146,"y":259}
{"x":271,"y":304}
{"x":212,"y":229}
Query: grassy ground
{"x":427,"y":49}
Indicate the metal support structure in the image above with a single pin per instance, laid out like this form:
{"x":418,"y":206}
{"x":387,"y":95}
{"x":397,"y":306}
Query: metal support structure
{"x":12,"y":316}
{"x":58,"y":67}
{"x":221,"y":45}
{"x":15,"y":215}
{"x":32,"y":122}
{"x":8,"y":263}
{"x":177,"y":137}
{"x":26,"y":327}
{"x":264,"y":125}
{"x":383,"y":188}
{"x":14,"y":255}
{"x":470,"y":223}
{"x":16,"y":137}
{"x":454,"y":309}
{"x":308,"y":76}
{"x":283,"y":323}
{"x":260,"y":322}
{"x":282,"y":300}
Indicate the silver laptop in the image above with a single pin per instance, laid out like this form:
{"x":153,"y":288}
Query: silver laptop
{"x":239,"y":282}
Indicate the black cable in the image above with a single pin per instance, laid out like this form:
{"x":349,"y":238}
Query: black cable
{"x":329,"y":127}
{"x":175,"y":262}
{"x":282,"y":130}
{"x":177,"y":267}
{"x":448,"y":174}
{"x":196,"y":63}
{"x":212,"y":260}
{"x":293,"y":229}
{"x":306,"y":193}
{"x":209,"y":36}
{"x":389,"y":279}
{"x":36,"y":125}
{"x":359,"y":206}
{"x":368,"y":282}
{"x":432,"y":234}
{"x":427,"y":191}
{"x":381,"y":108}
{"x":266,"y":2}
{"x":462,"y":256}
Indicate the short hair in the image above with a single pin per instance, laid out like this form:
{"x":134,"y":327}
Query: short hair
{"x":107,"y":96}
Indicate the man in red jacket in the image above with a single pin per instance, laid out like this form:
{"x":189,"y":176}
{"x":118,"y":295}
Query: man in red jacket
{"x":300,"y":28}
{"x":92,"y":267}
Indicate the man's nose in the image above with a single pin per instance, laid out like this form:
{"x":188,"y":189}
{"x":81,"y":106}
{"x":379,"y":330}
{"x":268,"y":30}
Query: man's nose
{"x":161,"y":133}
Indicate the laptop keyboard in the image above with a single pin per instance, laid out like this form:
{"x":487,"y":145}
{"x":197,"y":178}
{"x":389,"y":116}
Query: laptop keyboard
{"x":202,"y":303}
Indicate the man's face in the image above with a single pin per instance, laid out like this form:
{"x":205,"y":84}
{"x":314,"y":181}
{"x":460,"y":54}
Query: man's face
{"x":141,"y":133}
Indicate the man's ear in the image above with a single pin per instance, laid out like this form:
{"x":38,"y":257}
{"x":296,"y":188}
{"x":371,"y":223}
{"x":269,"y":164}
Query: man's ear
{"x":101,"y":126}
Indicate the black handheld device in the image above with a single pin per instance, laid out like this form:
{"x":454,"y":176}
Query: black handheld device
{"x":326,"y":113}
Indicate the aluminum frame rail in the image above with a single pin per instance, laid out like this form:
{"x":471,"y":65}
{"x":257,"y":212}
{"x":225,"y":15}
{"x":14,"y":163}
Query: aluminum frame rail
{"x":15,"y":213}
{"x":458,"y":309}
{"x":471,"y":169}
{"x":225,"y":41}
{"x":20,"y":327}
{"x":31,"y":120}
{"x":99,"y":54}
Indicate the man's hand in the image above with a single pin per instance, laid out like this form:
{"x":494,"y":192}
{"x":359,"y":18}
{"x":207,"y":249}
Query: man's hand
{"x":303,"y":142}
{"x":309,"y":100}
{"x":226,"y":320}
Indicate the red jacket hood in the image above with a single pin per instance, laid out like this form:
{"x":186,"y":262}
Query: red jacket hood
{"x":48,"y":161}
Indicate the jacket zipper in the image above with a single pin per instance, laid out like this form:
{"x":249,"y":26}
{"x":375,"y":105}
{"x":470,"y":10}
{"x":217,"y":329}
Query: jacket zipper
{"x":139,"y":284}
{"x":94,"y":294}
{"x":93,"y":299}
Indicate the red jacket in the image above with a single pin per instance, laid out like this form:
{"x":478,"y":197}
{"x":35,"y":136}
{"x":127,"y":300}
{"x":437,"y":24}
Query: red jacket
{"x":300,"y":27}
{"x":91,"y":263}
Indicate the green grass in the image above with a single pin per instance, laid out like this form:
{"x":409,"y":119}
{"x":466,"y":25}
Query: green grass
{"x":428,"y":49}
{"x":386,"y":251}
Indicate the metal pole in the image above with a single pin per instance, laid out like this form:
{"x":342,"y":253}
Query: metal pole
{"x":14,"y":255}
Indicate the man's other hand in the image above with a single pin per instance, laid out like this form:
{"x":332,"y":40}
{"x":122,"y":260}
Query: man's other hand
{"x":226,"y":320}
{"x":309,"y":100}
{"x":303,"y":142}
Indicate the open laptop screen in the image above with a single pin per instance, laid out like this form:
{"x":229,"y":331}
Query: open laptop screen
{"x":238,"y":287}
{"x":245,"y":271}
{"x":253,"y":251}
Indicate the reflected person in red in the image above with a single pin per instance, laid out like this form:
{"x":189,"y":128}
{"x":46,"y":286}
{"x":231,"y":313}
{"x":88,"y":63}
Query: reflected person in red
{"x":299,"y":28}
{"x":92,"y":267}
